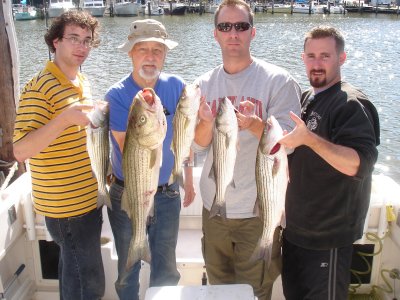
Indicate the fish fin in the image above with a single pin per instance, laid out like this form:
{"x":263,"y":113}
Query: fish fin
{"x":153,"y":157}
{"x":262,"y":251}
{"x":232,"y":183}
{"x":218,"y":209}
{"x":211,"y":175}
{"x":275,"y":167}
{"x":180,"y":180}
{"x":283,"y":220}
{"x":171,"y":179}
{"x":256,"y":209}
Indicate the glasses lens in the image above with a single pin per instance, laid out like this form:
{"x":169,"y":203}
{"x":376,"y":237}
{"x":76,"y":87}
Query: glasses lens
{"x":239,"y":26}
{"x":242,"y":26}
{"x":224,"y":27}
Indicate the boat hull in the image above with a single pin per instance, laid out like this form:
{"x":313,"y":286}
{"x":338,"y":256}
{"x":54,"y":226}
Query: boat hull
{"x":127,"y":9}
{"x":54,"y":12}
{"x":96,"y":11}
{"x":24,"y":16}
{"x":176,"y":11}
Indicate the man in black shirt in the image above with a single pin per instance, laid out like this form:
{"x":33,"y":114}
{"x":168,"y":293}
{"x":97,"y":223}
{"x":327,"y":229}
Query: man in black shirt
{"x":331,"y":168}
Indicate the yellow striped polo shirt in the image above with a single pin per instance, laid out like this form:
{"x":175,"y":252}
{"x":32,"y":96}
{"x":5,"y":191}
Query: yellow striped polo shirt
{"x":63,"y":184}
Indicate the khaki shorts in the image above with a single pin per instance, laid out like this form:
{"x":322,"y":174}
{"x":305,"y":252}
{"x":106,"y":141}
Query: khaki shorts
{"x":227,"y":246}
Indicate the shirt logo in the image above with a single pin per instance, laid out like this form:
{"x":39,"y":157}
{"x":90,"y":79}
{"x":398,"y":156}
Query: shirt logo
{"x":324,"y":265}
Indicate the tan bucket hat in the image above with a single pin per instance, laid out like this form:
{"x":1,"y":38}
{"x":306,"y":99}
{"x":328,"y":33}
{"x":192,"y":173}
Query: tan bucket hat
{"x":147,"y":30}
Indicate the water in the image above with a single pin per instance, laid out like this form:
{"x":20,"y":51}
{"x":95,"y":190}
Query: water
{"x":372,"y":45}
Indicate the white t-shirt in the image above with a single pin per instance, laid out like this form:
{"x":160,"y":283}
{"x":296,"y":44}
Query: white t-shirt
{"x":274,"y":92}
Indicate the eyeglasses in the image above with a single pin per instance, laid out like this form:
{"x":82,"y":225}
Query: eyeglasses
{"x":86,"y":43}
{"x":239,"y":26}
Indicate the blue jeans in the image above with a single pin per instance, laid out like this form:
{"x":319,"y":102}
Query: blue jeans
{"x":80,"y":266}
{"x":162,"y":233}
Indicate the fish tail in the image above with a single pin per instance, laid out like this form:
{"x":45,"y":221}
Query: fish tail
{"x":103,"y":198}
{"x":137,"y":253}
{"x":262,"y":252}
{"x":176,"y":177}
{"x":218,"y":210}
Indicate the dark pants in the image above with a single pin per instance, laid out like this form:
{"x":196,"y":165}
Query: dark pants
{"x":315,"y":274}
{"x":80,"y":267}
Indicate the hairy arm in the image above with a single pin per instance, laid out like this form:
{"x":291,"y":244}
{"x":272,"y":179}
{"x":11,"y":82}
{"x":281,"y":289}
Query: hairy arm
{"x":344,"y":159}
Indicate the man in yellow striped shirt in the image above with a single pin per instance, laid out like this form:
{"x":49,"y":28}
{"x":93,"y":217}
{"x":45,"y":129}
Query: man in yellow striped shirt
{"x":50,"y":132}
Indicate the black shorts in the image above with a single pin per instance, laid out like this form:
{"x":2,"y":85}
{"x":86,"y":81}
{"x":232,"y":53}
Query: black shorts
{"x":315,"y":274}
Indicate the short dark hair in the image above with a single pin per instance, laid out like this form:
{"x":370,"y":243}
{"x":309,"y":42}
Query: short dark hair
{"x":72,"y":17}
{"x":234,"y":3}
{"x":320,"y":32}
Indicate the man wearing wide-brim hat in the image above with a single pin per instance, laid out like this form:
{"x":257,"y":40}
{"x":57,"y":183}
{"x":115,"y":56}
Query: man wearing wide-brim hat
{"x":147,"y":45}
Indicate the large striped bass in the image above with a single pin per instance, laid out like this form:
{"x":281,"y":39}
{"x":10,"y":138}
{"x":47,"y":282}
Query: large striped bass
{"x":146,"y":130}
{"x":225,"y":138}
{"x":271,"y":179}
{"x":98,"y":147}
{"x":185,"y":121}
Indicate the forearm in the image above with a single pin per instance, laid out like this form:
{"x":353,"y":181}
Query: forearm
{"x":203,"y":133}
{"x":344,"y":159}
{"x":39,"y":139}
{"x":256,"y":127}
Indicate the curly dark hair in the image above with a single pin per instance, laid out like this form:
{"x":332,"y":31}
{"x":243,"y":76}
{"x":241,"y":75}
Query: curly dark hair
{"x":72,"y":17}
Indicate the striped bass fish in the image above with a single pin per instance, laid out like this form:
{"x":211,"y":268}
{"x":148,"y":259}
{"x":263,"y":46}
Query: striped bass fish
{"x":146,"y":130}
{"x":185,"y":121}
{"x":98,"y":146}
{"x":271,"y":180}
{"x":225,"y":139}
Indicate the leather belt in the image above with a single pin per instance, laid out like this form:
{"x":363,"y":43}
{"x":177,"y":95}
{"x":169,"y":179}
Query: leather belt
{"x":119,"y":181}
{"x":160,"y":188}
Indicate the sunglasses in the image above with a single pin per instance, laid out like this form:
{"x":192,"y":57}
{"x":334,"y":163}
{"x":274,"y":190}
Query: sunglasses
{"x":239,"y":26}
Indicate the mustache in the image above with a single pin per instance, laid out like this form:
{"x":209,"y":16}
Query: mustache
{"x":317,"y":71}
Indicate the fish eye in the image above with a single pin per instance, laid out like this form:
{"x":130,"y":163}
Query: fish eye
{"x":142,"y":119}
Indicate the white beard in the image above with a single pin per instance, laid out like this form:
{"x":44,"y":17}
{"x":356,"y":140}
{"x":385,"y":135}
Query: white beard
{"x":149,"y":76}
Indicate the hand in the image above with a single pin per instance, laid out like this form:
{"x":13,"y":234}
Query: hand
{"x":246,"y":117}
{"x":190,"y":193}
{"x":298,"y":136}
{"x":205,"y":113}
{"x":76,"y":114}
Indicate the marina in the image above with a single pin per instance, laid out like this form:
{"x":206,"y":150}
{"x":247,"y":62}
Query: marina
{"x":372,"y":65}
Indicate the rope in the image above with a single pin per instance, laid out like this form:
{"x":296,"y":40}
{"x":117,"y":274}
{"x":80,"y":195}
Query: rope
{"x":353,"y":288}
{"x":5,"y":164}
{"x":9,"y":176}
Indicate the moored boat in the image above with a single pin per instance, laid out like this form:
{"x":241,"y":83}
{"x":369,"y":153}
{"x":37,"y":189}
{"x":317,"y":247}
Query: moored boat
{"x":152,"y":8}
{"x":57,"y":7}
{"x":95,"y":7}
{"x":280,"y":8}
{"x":303,"y":8}
{"x":126,"y":8}
{"x":24,"y":12}
{"x":173,"y":8}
